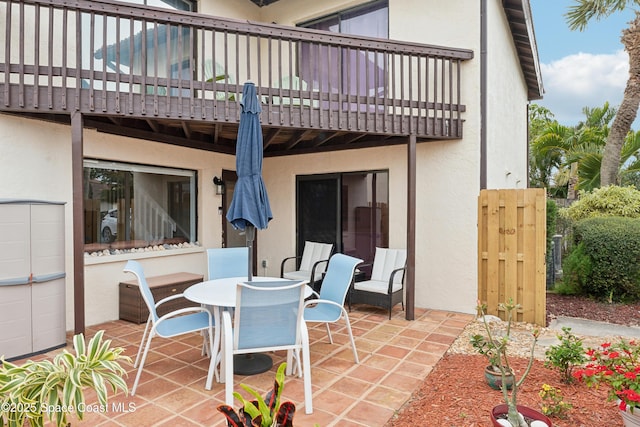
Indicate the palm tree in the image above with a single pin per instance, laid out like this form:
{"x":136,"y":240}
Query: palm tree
{"x":576,"y":151}
{"x":578,"y":17}
{"x":541,"y":166}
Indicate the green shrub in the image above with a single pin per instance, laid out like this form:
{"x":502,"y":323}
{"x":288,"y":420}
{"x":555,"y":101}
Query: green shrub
{"x":576,"y":269}
{"x":566,"y":355}
{"x":605,"y":201}
{"x":605,"y":261}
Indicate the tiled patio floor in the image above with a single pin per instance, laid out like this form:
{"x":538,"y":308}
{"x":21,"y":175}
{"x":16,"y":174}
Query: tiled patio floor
{"x":395,"y":356}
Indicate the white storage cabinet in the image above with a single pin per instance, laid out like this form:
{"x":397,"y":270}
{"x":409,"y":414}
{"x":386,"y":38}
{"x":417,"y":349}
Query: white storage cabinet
{"x":32,"y":277}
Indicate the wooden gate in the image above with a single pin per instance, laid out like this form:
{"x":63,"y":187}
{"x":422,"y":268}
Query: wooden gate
{"x":511,"y":252}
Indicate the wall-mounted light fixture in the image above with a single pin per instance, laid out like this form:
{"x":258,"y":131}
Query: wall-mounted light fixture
{"x":219,"y":185}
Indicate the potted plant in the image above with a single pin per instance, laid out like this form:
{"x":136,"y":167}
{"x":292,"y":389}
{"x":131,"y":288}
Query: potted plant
{"x":616,"y":365}
{"x":56,"y":388}
{"x":510,"y":414}
{"x":491,"y":350}
{"x":267,"y":412}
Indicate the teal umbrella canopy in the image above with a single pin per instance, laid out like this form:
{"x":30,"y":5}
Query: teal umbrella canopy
{"x":250,"y":203}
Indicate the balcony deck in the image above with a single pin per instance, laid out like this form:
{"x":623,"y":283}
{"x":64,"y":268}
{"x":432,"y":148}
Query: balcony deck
{"x":320,"y":91}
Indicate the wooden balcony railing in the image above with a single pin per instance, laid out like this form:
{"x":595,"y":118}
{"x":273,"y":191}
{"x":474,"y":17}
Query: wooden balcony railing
{"x":121,"y":60}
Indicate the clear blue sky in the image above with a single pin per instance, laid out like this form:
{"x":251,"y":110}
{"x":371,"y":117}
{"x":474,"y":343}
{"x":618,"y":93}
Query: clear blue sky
{"x":579,"y":68}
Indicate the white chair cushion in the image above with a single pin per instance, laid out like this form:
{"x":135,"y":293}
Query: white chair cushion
{"x":301,"y":275}
{"x":387,"y":260}
{"x":314,"y":252}
{"x":377,"y":286}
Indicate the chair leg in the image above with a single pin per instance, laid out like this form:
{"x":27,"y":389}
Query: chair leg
{"x":144,"y":357}
{"x":306,"y":371}
{"x":144,"y":335}
{"x":226,"y":368}
{"x":353,"y":343}
{"x":214,"y":357}
{"x":329,"y":333}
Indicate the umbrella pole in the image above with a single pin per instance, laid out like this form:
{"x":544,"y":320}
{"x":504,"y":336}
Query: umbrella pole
{"x":250,"y":234}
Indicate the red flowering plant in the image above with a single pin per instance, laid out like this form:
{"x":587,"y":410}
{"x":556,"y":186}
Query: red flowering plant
{"x":617,"y":365}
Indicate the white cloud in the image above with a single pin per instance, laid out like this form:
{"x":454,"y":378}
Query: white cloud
{"x":583,"y":80}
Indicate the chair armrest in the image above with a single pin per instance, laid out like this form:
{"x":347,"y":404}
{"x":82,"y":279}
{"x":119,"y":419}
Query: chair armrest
{"x":313,"y":269}
{"x":181,"y":311}
{"x":393,"y":274}
{"x":321,"y":301}
{"x":169,"y":298}
{"x":282,"y":264}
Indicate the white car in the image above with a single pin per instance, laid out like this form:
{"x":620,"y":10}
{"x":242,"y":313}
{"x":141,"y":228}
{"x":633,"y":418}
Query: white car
{"x":109,"y":226}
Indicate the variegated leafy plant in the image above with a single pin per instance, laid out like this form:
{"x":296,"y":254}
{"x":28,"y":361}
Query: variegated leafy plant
{"x":37,"y":391}
{"x":267,"y":412}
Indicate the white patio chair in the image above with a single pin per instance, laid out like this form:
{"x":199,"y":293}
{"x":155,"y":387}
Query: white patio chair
{"x":177,"y":322}
{"x":268,"y":317}
{"x":313,"y":263}
{"x":329,"y":307}
{"x":385,"y":288}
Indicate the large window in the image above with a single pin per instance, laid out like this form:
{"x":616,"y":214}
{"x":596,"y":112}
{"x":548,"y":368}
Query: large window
{"x":350,"y":210}
{"x":132,"y":206}
{"x":358,"y":72}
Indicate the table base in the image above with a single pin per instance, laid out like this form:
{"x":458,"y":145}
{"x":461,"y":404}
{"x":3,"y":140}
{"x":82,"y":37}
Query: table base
{"x":251,"y":364}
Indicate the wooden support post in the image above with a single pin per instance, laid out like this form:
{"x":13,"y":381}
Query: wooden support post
{"x":78,"y":221}
{"x":411,"y":229}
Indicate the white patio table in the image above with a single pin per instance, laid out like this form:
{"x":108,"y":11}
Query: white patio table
{"x":221,"y":293}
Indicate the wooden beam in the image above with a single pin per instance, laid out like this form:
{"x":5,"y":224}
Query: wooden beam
{"x":78,"y":221}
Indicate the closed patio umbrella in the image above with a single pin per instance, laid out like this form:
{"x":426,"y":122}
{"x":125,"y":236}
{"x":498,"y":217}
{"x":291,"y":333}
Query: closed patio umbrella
{"x":249,"y":207}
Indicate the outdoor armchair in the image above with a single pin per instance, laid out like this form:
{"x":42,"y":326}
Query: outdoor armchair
{"x":313,"y":263}
{"x":177,"y":322}
{"x":268,"y":317}
{"x":386,"y":286}
{"x":329,"y":306}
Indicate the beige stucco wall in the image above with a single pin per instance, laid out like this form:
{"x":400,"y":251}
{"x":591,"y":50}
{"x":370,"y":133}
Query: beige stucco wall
{"x":507,"y":113}
{"x":36,"y":164}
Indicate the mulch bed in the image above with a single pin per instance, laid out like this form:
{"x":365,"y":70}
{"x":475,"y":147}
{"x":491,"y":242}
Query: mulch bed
{"x":455,"y":394}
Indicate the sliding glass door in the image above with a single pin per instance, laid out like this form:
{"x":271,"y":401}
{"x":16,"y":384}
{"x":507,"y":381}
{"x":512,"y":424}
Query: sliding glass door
{"x":350,"y":210}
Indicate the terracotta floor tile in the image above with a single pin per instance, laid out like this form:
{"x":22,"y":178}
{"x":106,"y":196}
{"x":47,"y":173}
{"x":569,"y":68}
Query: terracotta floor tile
{"x":394,"y":351}
{"x":368,"y":374}
{"x":178,"y":421}
{"x":422,"y":358}
{"x":404,"y":341}
{"x":401,"y":382}
{"x":319,"y":416}
{"x":433,"y":347}
{"x":388,"y":397}
{"x":351,"y":387}
{"x":332,"y":401}
{"x":441,"y":338}
{"x":155,"y":388}
{"x":146,"y":415}
{"x":369,"y":414}
{"x":413,"y":370}
{"x":188,"y":374}
{"x":180,"y":400}
{"x":382,"y":362}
